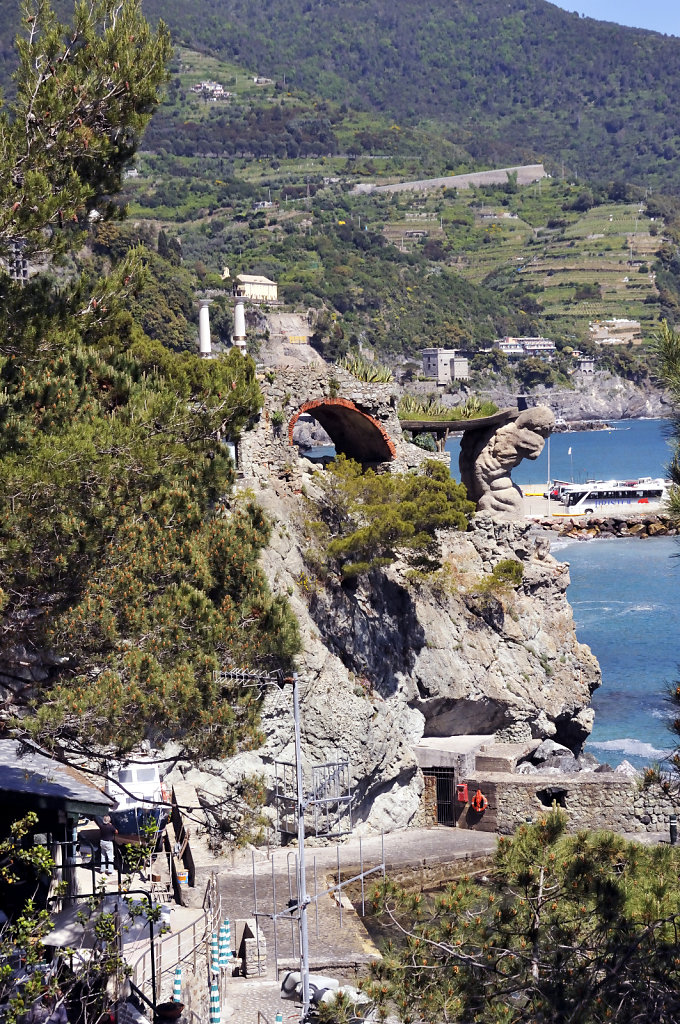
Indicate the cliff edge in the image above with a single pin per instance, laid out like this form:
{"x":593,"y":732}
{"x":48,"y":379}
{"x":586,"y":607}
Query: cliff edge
{"x":397,"y":656}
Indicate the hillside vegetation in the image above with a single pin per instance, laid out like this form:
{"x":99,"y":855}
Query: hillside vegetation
{"x":509,"y":79}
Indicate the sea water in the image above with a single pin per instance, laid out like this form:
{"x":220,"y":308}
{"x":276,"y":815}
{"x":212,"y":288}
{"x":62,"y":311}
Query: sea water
{"x":624,"y":595}
{"x":627,"y":449}
{"x":624,"y":592}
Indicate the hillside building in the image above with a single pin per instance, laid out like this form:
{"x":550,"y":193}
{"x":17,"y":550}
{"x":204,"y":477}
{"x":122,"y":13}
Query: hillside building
{"x":521,"y":348}
{"x":618,"y":331}
{"x":445,"y":365}
{"x":211,"y":90}
{"x":255,"y":288}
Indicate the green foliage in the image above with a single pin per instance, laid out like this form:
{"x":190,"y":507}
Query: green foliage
{"x":122,"y":553}
{"x":508,"y":570}
{"x":375,"y":515}
{"x":474,"y":408}
{"x":596,"y":95}
{"x":426,"y":442}
{"x":83,"y":96}
{"x":413,"y":408}
{"x":569,"y":928}
{"x":365,"y":369}
{"x":66,"y":979}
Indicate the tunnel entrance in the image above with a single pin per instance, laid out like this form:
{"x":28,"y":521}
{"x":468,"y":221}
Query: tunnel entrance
{"x":353,"y":432}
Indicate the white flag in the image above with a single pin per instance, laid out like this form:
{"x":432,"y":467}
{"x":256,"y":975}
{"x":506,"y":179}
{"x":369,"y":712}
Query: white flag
{"x":569,"y":451}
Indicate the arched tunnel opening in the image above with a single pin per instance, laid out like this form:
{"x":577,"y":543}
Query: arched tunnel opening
{"x":354,"y":433}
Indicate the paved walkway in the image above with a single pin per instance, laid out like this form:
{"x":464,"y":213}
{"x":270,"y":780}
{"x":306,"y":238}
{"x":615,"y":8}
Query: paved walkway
{"x":339,"y":945}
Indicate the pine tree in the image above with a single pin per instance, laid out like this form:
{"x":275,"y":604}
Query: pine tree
{"x":578,"y":929}
{"x":376,"y":514}
{"x":128,"y":571}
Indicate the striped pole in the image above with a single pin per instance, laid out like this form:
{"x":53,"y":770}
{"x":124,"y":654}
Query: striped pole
{"x":177,"y":985}
{"x":224,"y":949}
{"x":279,"y":1018}
{"x":227,"y":929}
{"x":214,"y":954}
{"x":215,"y":1016}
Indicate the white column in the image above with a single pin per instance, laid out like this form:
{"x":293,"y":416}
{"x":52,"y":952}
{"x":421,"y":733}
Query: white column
{"x":238,"y":338}
{"x":204,"y":345}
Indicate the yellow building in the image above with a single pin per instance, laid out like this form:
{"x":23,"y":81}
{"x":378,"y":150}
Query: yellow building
{"x":256,"y":288}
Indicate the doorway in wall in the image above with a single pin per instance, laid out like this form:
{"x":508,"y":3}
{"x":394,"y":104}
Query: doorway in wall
{"x":442,"y":784}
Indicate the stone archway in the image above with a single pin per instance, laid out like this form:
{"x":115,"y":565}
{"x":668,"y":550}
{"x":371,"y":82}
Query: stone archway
{"x":354,"y":433}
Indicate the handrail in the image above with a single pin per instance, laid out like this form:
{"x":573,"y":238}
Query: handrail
{"x":210,"y":914}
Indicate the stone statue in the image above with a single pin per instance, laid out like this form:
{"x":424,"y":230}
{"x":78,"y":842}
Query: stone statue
{"x":489,"y":454}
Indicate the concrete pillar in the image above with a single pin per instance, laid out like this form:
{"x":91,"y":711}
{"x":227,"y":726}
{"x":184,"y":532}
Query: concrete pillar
{"x":204,"y":345}
{"x":238,"y":338}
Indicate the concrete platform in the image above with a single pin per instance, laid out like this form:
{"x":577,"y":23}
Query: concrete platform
{"x":446,"y":751}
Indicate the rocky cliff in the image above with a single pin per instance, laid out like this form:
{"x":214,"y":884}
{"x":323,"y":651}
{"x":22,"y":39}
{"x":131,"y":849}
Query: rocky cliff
{"x":597,"y":396}
{"x":594,"y":396}
{"x":393,"y":658}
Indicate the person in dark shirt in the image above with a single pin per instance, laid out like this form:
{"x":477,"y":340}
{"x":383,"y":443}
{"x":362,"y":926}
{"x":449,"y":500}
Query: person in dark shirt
{"x":106,"y":833}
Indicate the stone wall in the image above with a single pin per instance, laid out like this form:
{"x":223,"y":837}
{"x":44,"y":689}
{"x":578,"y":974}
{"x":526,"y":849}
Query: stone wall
{"x":595,"y":800}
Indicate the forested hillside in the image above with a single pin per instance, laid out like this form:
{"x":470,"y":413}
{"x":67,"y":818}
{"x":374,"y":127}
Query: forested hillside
{"x":509,"y":78}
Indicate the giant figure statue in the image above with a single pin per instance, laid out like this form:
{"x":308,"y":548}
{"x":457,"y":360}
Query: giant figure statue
{"x":489,"y":454}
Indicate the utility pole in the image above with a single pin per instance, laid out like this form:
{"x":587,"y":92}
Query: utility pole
{"x":303,"y":897}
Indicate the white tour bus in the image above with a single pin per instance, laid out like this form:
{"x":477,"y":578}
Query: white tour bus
{"x":615,"y":495}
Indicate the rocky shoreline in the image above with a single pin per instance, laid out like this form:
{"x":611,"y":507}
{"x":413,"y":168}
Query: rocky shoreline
{"x":641,"y":527}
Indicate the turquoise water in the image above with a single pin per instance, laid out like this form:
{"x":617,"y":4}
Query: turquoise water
{"x":625,"y":599}
{"x":631,"y":448}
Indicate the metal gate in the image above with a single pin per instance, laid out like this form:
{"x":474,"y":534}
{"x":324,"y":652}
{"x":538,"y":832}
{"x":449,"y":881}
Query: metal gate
{"x":445,"y":783}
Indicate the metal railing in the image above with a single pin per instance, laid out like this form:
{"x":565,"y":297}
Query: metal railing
{"x":178,"y":947}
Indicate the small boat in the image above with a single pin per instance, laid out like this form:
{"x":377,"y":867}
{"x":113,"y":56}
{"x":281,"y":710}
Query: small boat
{"x":140,"y":797}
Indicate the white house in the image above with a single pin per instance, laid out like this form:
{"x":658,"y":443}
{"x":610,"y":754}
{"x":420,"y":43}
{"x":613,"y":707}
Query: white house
{"x":256,"y":288}
{"x":519,"y":348}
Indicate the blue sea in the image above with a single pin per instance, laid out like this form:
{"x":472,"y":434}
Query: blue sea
{"x":625,"y":599}
{"x":629,"y":448}
{"x":624,"y":592}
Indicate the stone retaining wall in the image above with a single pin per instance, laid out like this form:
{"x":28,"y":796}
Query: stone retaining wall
{"x":594,"y":800}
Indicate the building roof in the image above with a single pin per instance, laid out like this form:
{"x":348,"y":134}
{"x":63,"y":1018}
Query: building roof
{"x":46,"y":781}
{"x":254,"y":279}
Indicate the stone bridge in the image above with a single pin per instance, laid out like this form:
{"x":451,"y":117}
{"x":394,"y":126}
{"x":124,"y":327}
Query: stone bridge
{"x":360,"y":418}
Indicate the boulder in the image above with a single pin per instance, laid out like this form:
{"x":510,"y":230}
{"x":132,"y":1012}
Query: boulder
{"x":549,"y":748}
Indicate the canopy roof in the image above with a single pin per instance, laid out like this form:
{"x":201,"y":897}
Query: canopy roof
{"x":46,"y":783}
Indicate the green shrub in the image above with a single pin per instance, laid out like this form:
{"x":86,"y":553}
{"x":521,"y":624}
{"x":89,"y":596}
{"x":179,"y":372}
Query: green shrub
{"x":425,"y":441}
{"x":366,"y":370}
{"x":508,"y":570}
{"x":374,"y":515}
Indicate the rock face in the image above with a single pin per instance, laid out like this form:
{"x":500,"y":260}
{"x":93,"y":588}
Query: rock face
{"x":390,"y":660}
{"x":597,"y":396}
